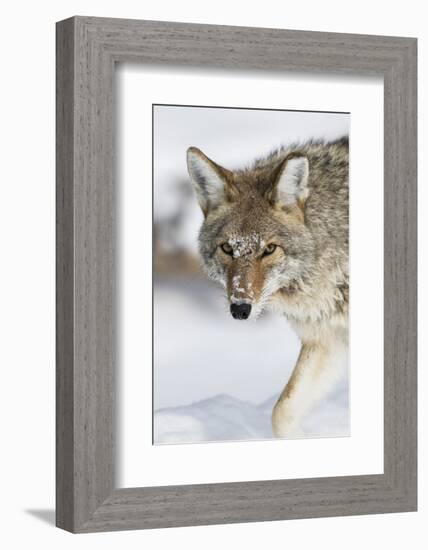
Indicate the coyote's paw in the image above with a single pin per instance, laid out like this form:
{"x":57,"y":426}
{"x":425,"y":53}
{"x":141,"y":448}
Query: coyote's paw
{"x":284,"y":424}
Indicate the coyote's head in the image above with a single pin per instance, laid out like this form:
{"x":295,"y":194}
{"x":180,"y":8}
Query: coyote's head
{"x":253,"y":240}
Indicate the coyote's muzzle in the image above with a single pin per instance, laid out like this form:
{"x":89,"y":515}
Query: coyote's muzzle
{"x":240,"y":311}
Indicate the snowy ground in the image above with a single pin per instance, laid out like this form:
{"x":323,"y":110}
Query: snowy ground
{"x":223,"y":418}
{"x":216,"y":379}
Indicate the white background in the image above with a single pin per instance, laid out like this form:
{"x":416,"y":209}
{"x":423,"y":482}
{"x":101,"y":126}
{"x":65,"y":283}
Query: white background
{"x":362,"y":453}
{"x":27,"y":285}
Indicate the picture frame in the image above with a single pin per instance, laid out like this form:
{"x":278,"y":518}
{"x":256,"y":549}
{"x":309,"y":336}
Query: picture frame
{"x":87,"y":50}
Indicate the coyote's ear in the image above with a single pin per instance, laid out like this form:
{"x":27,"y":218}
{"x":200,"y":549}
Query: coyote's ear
{"x":212,"y":183}
{"x":291,"y":183}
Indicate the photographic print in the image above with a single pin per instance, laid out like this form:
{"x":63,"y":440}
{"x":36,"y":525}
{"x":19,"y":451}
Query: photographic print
{"x":250,"y":274}
{"x":202,"y":296}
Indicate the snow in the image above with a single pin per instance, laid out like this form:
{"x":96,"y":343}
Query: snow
{"x":244,"y":244}
{"x":217,"y":379}
{"x":201,"y":351}
{"x":225,"y":418}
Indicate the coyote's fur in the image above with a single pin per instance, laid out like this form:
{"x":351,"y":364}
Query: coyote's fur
{"x":276,"y":235}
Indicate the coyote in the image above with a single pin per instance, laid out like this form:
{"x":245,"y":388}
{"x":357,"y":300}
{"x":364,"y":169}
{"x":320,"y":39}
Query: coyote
{"x":275,"y":235}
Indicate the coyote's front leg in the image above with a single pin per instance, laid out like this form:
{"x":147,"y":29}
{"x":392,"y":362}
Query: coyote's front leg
{"x":319,"y":366}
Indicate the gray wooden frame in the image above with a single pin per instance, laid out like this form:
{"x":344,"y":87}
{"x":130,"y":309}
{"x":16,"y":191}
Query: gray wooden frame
{"x":87,"y":50}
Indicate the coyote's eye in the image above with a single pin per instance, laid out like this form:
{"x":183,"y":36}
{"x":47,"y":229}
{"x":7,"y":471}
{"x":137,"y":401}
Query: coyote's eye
{"x":227,"y":249}
{"x":270,"y":249}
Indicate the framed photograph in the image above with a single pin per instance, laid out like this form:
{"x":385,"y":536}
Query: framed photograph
{"x":236,"y":274}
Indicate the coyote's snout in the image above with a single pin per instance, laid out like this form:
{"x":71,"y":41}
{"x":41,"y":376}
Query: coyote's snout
{"x":276,"y":235}
{"x":240,"y":310}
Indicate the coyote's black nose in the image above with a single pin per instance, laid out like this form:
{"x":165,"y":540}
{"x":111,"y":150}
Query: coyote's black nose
{"x":240,"y":311}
